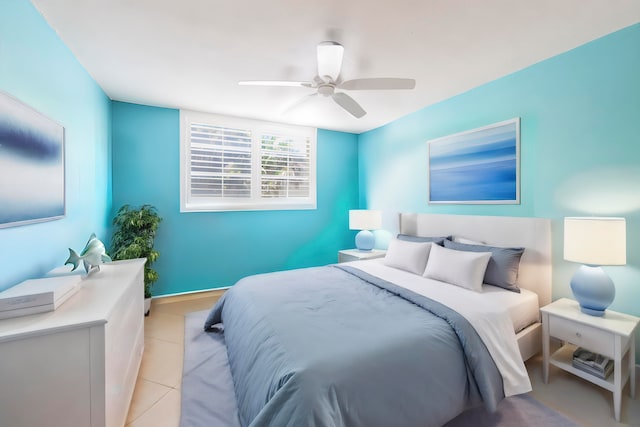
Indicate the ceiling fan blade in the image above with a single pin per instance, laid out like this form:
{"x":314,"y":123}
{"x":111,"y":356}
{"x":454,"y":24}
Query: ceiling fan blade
{"x":349,"y":104}
{"x":330,"y":59}
{"x":274,"y":83}
{"x":382,"y":83}
{"x":298,"y":103}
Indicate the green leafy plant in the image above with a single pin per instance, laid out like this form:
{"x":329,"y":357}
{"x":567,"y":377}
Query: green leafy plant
{"x":134,"y":237}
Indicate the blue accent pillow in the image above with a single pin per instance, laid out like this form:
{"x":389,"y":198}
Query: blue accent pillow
{"x":502,"y":270}
{"x":420,"y":239}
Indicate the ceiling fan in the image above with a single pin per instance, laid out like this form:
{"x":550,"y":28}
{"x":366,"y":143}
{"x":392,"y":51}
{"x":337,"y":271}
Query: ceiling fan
{"x":328,"y":80}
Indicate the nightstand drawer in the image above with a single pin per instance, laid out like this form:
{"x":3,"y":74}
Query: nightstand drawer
{"x":591,"y":338}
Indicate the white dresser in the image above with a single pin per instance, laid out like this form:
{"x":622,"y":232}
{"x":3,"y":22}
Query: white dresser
{"x":76,"y":366}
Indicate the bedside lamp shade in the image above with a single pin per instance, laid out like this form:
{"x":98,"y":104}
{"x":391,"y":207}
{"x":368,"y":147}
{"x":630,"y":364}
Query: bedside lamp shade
{"x":365,"y":220}
{"x":594,"y":242}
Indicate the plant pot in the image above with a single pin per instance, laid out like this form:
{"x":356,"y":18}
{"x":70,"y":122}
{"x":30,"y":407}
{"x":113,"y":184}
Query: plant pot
{"x":147,"y":306}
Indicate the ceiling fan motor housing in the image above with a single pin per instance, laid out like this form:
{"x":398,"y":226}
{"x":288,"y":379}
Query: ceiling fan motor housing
{"x":326,"y":89}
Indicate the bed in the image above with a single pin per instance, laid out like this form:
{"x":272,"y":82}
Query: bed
{"x":369,"y":344}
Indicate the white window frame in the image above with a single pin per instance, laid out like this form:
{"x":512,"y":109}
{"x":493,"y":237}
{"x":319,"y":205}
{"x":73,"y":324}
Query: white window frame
{"x":255,"y":202}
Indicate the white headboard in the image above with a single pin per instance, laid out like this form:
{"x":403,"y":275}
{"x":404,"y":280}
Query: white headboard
{"x":533,"y":234}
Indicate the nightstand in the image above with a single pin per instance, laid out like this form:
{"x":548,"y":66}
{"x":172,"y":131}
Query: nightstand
{"x":612,"y":335}
{"x":347,"y":255}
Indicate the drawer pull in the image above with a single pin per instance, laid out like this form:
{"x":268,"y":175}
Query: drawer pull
{"x":578,"y":334}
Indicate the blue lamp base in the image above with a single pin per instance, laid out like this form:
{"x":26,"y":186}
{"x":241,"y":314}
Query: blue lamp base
{"x":365,"y":240}
{"x":593,"y":289}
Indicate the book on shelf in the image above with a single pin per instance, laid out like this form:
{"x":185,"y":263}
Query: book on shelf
{"x":593,"y":363}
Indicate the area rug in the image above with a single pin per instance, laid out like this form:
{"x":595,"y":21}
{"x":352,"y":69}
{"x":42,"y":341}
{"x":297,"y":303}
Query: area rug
{"x":208,"y":398}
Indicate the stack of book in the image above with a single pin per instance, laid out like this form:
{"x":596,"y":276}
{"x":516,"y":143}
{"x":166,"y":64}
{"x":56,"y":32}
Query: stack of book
{"x":37,"y":295}
{"x":593,"y":363}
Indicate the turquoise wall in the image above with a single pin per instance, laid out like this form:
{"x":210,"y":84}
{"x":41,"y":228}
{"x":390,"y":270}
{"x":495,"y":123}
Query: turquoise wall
{"x":580,"y":149}
{"x":580,"y":156}
{"x":39,"y":70}
{"x":202,"y":250}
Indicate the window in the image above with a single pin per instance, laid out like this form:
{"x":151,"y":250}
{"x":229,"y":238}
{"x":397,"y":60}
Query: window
{"x":241,"y":164}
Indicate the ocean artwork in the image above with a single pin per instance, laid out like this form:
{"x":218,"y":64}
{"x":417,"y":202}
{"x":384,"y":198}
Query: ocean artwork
{"x":479,"y":166}
{"x":31,"y":165}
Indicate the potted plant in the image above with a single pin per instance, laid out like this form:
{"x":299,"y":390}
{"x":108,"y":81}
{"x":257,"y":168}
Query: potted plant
{"x":134,"y":237}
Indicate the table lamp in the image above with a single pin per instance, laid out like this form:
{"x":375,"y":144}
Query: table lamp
{"x":365,"y":220}
{"x":594,"y":242}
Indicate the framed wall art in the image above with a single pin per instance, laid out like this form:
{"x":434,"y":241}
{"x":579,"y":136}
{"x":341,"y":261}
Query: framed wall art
{"x":479,"y":166}
{"x":32,"y":183}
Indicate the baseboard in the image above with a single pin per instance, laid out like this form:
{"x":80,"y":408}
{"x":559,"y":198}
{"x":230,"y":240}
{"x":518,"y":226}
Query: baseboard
{"x":194,"y":294}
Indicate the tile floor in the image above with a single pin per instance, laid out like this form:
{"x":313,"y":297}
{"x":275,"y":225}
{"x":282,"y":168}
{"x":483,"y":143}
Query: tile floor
{"x":156,"y":400}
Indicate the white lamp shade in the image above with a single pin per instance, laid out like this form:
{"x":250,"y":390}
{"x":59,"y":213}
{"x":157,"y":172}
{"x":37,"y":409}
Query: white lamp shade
{"x":362,"y":219}
{"x":595,"y":241}
{"x":330,"y":59}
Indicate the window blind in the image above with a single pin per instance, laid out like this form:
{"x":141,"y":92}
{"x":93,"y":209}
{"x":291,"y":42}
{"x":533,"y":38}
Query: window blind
{"x":220,"y":161}
{"x":241,"y":164}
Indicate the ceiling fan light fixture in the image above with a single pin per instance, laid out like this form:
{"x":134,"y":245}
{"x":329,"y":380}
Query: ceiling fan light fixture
{"x":326,"y":82}
{"x":330,"y":59}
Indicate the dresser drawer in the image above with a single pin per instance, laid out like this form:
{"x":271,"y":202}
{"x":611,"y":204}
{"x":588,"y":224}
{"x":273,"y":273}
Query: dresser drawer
{"x":591,"y":338}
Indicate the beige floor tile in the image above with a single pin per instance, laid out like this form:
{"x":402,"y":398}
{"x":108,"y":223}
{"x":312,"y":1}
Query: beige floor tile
{"x":184,"y":307}
{"x":164,"y":326}
{"x":580,"y":400}
{"x":146,"y":395}
{"x":184,"y":297}
{"x":165,"y":413}
{"x":162,"y":362}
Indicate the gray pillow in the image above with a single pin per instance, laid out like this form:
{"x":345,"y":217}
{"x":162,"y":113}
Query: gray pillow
{"x":420,"y":239}
{"x":502,"y":270}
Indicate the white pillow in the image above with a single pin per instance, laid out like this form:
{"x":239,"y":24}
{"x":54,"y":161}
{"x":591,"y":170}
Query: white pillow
{"x":466,"y":241}
{"x":408,"y":256}
{"x":460,"y":268}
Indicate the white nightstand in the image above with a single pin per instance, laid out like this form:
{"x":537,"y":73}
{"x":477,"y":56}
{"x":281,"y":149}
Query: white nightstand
{"x":612,"y":335}
{"x":355,"y":254}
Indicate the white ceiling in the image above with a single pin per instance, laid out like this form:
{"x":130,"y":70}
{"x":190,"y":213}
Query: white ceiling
{"x":191,"y":53}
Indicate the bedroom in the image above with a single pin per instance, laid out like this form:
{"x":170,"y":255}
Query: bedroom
{"x":579,"y":114}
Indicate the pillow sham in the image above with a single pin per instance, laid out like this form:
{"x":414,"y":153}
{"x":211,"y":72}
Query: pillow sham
{"x":408,"y":256}
{"x":466,"y":241}
{"x":410,"y":238}
{"x":502,"y":270}
{"x":460,"y":268}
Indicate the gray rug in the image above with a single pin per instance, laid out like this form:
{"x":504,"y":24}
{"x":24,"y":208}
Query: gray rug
{"x":208,"y":399}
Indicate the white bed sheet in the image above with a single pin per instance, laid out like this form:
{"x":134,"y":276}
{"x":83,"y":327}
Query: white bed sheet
{"x":523,"y":308}
{"x":487,"y":312}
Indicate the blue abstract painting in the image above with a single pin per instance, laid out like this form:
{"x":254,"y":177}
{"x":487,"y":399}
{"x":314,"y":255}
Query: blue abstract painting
{"x":476,"y":166}
{"x":31,"y":165}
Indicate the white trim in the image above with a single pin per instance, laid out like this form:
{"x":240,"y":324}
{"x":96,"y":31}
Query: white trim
{"x":223,"y":288}
{"x":255,"y":201}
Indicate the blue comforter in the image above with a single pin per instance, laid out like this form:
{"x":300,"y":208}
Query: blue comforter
{"x":334,"y":346}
